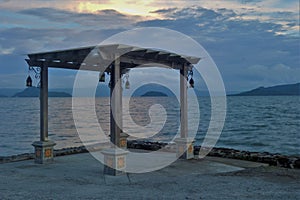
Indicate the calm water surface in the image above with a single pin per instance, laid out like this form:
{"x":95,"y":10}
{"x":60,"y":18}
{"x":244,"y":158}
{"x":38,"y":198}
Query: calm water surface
{"x":253,"y":123}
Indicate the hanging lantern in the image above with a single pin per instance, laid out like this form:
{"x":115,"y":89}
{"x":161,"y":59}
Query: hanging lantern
{"x":191,"y":82}
{"x":29,"y":82}
{"x":127,"y":85}
{"x":102,"y":77}
{"x":126,"y":77}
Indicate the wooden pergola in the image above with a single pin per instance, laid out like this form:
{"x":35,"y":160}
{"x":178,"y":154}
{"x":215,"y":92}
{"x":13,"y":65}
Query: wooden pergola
{"x":112,"y":59}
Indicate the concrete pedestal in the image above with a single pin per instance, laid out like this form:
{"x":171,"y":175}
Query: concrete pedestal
{"x":185,"y":148}
{"x":114,"y":161}
{"x":43,"y":151}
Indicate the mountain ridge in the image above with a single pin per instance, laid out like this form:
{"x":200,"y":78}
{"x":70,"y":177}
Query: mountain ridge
{"x":35,"y":92}
{"x":277,"y":90}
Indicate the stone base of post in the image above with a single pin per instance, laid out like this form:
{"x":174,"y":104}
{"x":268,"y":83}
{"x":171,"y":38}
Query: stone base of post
{"x":43,"y":151}
{"x":114,"y":161}
{"x":184,"y":148}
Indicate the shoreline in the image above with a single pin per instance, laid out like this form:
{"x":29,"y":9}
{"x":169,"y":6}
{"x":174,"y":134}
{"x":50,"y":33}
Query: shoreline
{"x":279,"y":160}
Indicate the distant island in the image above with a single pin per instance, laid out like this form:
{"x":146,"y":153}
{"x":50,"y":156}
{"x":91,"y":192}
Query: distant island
{"x":152,"y":89}
{"x":154,"y":94}
{"x":279,"y":90}
{"x":35,"y":92}
{"x":2,"y":95}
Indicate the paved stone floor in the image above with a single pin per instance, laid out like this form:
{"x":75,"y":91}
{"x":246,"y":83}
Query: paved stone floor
{"x":80,"y":177}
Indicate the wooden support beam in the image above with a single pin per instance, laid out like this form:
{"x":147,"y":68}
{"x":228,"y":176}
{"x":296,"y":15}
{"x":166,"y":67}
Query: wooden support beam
{"x":44,"y":104}
{"x":44,"y":147}
{"x":183,"y":103}
{"x":116,"y":103}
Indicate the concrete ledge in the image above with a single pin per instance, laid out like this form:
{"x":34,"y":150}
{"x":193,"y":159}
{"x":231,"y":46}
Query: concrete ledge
{"x":260,"y":157}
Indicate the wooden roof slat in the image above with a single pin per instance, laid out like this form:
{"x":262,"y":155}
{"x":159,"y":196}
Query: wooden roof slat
{"x":151,"y":54}
{"x":163,"y":56}
{"x":137,"y":53}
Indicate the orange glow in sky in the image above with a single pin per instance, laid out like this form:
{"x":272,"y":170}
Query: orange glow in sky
{"x":260,"y":10}
{"x":142,"y":8}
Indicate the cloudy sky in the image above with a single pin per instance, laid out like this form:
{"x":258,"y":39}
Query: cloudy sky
{"x":253,"y":43}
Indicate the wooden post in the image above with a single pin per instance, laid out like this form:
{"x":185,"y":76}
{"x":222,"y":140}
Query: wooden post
{"x":44,"y":104}
{"x":185,"y":148}
{"x":44,"y":147}
{"x":115,"y":158}
{"x":183,"y":103}
{"x":115,"y":103}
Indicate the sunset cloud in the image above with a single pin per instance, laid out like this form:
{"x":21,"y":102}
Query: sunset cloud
{"x":240,"y":35}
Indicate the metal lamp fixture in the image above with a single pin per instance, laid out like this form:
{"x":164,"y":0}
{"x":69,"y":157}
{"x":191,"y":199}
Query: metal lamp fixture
{"x":127,"y":84}
{"x":102,"y":77}
{"x":191,"y":81}
{"x":37,"y":75}
{"x":28,"y":81}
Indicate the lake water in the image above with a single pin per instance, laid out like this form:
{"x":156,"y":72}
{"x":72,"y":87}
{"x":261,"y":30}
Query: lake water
{"x":260,"y":124}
